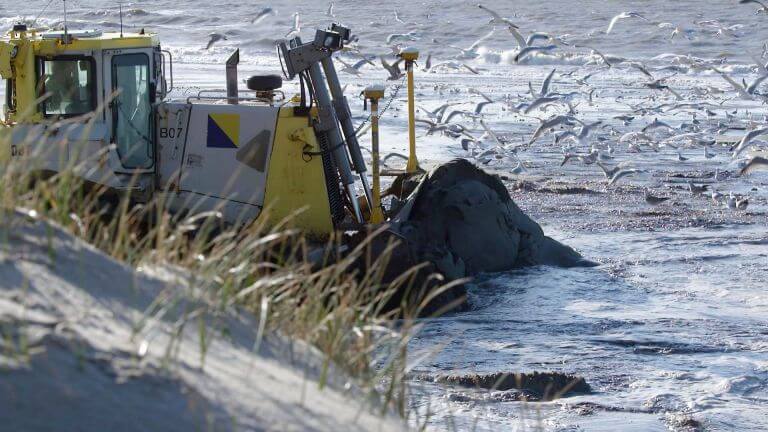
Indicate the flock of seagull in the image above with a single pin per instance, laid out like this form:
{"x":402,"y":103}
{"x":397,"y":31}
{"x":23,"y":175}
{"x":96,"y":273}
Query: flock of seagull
{"x":556,"y":112}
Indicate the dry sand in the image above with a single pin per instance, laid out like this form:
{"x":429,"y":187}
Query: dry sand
{"x":76,"y":315}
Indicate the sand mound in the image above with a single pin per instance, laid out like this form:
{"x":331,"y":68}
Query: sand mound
{"x":464,"y":221}
{"x":85,"y":347}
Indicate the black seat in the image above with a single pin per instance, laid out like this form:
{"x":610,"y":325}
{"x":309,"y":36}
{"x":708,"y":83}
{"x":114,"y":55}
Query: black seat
{"x":264,"y":83}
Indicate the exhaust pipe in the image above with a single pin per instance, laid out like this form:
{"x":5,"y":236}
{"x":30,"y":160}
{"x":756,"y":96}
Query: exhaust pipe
{"x":232,"y":62}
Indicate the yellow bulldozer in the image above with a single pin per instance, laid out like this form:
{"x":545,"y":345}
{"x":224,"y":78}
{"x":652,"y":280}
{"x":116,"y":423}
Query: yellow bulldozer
{"x":100,"y":103}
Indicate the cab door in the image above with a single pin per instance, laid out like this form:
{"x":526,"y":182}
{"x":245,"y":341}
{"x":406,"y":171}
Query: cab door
{"x":129,"y":85}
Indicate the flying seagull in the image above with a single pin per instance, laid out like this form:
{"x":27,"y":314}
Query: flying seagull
{"x":621,"y":16}
{"x":215,"y":37}
{"x":262,"y":14}
{"x":296,"y":30}
{"x":471,"y":52}
{"x":621,"y":174}
{"x":763,"y":8}
{"x":394,"y":69}
{"x":355,"y":68}
{"x":497,"y":19}
{"x":525,"y":52}
{"x":549,"y":124}
{"x":754,"y":164}
{"x":746,"y":139}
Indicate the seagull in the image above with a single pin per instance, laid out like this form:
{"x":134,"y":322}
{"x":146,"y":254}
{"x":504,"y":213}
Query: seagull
{"x":215,"y":37}
{"x":428,"y":63}
{"x":492,"y":134}
{"x":533,"y":37}
{"x":641,"y":67}
{"x":394,"y":69}
{"x":680,"y":157}
{"x":697,"y":190}
{"x":262,"y":14}
{"x":582,"y":137}
{"x":621,"y":16}
{"x":597,"y":53}
{"x":471,"y":52}
{"x":547,"y":81}
{"x":296,"y":30}
{"x":745,"y":140}
{"x":587,"y":159}
{"x":621,"y":174}
{"x":657,"y":124}
{"x":654,"y":200}
{"x":438,"y":113}
{"x":741,"y":204}
{"x":610,"y":172}
{"x":397,"y":17}
{"x":410,"y":36}
{"x":746,"y":92}
{"x":659,"y":85}
{"x":497,"y":19}
{"x":518,"y":169}
{"x":542,"y":101}
{"x":763,"y":8}
{"x":531,"y":49}
{"x":754,"y":164}
{"x":470,"y":68}
{"x":717,"y":197}
{"x":453,"y":129}
{"x":355,"y":68}
{"x":480,"y":105}
{"x":549,"y":124}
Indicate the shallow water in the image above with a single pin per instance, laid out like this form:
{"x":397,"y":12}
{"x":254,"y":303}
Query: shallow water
{"x":673,"y":323}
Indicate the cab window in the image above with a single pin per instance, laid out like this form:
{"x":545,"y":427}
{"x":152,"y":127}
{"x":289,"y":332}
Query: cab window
{"x":68,"y":85}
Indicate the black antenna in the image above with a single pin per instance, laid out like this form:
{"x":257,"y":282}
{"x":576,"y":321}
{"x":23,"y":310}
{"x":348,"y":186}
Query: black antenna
{"x":40,"y":14}
{"x":66,"y":33}
{"x":121,"y":18}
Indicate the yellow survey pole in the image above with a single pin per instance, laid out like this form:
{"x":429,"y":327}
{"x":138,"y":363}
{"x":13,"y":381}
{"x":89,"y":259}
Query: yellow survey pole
{"x":374,"y":93}
{"x":410,"y":55}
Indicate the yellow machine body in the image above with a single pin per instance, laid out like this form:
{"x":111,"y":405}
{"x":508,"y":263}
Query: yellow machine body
{"x":250,"y":160}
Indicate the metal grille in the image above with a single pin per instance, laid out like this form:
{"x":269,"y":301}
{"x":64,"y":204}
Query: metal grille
{"x":332,"y":180}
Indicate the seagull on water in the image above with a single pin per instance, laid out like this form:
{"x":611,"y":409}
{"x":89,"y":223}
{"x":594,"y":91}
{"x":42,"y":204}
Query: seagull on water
{"x":654,"y":200}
